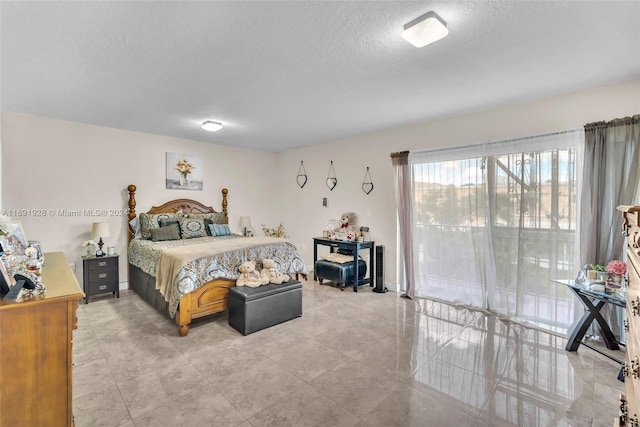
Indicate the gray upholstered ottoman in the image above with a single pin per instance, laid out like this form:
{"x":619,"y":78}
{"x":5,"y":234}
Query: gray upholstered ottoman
{"x":253,"y":309}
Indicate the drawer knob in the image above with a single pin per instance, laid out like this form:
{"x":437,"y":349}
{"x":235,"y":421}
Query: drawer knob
{"x":102,"y":275}
{"x":635,"y":368}
{"x":624,"y":411}
{"x":102,"y":264}
{"x":102,"y":287}
{"x":635,"y":306}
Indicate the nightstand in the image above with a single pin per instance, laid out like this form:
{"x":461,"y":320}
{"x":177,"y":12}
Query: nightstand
{"x":100,"y":275}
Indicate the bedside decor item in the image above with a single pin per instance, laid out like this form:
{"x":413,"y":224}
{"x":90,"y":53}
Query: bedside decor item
{"x":302,"y":175}
{"x":100,"y":230}
{"x":88,"y":246}
{"x":184,"y":172}
{"x":245,"y":224}
{"x":332,"y":181}
{"x":367,"y":185}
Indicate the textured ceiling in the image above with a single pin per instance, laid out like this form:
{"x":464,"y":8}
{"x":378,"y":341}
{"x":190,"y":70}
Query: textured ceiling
{"x":282,"y":75}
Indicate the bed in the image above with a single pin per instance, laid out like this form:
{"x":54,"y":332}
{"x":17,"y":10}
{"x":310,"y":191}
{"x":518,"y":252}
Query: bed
{"x":189,"y":278}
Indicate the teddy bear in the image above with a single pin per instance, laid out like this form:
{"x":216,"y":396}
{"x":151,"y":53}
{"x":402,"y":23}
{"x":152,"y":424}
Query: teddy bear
{"x":271,"y":272}
{"x":348,"y":224}
{"x":249,"y":276}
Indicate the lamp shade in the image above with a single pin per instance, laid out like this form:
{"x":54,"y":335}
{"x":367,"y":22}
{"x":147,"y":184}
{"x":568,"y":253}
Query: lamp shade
{"x":99,"y":230}
{"x":245,"y":222}
{"x":425,"y":30}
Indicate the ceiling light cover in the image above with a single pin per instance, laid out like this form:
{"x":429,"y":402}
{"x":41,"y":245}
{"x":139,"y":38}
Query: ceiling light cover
{"x":211,"y":126}
{"x":425,"y":30}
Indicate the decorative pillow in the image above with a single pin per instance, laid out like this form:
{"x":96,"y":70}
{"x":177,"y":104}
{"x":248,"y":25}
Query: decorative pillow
{"x":218,"y":230}
{"x":171,"y":232}
{"x":192,"y":227}
{"x":215,"y":217}
{"x":338,"y":258}
{"x":149,"y":221}
{"x":165,"y":222}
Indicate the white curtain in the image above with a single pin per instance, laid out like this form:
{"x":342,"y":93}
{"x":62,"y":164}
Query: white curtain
{"x":495,"y":223}
{"x":402,"y":184}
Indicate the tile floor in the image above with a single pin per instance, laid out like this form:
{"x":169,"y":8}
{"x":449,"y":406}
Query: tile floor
{"x":352,"y":359}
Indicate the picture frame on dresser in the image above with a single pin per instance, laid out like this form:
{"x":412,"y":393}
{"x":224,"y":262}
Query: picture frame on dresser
{"x":17,"y":232}
{"x":6,"y":281}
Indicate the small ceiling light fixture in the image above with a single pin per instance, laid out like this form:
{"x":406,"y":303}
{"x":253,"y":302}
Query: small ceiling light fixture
{"x":425,"y":30}
{"x":211,"y":126}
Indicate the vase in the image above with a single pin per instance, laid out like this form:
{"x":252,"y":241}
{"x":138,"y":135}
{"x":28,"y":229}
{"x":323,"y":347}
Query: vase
{"x":623,"y":287}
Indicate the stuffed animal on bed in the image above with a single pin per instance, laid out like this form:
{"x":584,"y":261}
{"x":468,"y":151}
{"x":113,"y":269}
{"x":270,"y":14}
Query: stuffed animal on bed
{"x":271,"y":272}
{"x":249,"y":276}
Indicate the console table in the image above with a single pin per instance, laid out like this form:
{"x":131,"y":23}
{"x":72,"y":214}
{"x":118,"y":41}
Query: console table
{"x":352,"y":246}
{"x":593,"y":301}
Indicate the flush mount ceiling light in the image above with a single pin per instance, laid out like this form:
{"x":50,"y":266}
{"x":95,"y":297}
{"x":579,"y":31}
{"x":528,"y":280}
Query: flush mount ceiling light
{"x":425,"y":30}
{"x":211,"y":126}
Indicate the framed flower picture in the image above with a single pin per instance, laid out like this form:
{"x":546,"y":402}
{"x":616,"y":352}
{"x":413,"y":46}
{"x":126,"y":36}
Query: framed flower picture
{"x":184,"y":172}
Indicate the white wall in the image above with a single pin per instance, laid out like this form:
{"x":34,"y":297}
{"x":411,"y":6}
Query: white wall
{"x":303,"y":212}
{"x":53,"y":164}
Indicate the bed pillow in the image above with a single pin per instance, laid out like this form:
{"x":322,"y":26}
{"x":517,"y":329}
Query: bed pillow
{"x":149,"y":221}
{"x":192,"y":227}
{"x":170,"y":232}
{"x":165,"y":222}
{"x":214,"y":217}
{"x":218,"y":230}
{"x":135,"y":226}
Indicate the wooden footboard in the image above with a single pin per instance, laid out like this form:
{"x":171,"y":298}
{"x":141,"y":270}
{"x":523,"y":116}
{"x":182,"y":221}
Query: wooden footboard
{"x":207,"y":299}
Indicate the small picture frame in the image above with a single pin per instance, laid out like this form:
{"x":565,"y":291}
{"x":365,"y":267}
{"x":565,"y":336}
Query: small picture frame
{"x":6,"y":281}
{"x":16,"y":233}
{"x":36,"y":244}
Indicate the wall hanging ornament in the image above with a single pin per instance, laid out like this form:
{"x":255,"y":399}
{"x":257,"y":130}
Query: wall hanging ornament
{"x":302,"y":175}
{"x":332,"y":181}
{"x":367,"y":185}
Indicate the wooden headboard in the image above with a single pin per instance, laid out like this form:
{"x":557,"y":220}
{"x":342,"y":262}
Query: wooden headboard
{"x":184,"y":205}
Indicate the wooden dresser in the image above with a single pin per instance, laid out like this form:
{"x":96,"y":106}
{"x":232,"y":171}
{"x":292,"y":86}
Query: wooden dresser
{"x":630,"y":400}
{"x":35,"y":351}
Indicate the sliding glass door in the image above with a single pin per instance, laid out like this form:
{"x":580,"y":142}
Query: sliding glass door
{"x":494,"y":224}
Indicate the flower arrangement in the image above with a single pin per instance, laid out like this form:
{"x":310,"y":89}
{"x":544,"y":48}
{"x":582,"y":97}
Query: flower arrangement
{"x":184,"y":167}
{"x":89,"y":243}
{"x":616,"y":267}
{"x":274,"y":232}
{"x":597,"y":267}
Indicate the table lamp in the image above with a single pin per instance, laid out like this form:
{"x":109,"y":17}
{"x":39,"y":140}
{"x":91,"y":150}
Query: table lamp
{"x":245,"y":223}
{"x":100,"y":230}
